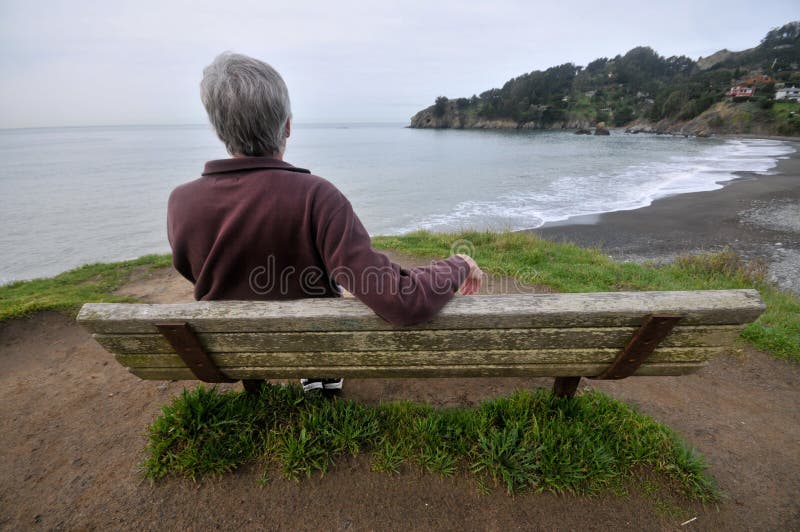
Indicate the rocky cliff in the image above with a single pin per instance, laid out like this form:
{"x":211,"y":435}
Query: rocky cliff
{"x":450,"y":116}
{"x":723,"y":118}
{"x":705,"y":63}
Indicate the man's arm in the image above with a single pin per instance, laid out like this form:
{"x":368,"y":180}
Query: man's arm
{"x":398,"y":295}
{"x":179,"y":254}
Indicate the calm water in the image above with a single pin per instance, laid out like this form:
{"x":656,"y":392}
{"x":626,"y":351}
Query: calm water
{"x":69,"y":196}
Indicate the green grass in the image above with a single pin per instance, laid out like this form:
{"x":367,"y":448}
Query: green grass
{"x":561,"y":267}
{"x":782,"y":110}
{"x":787,"y":117}
{"x":530,"y":441}
{"x":66,"y":292}
{"x":569,"y":268}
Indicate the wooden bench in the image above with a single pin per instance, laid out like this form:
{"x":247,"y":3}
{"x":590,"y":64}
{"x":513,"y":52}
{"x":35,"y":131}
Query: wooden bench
{"x":568,"y":336}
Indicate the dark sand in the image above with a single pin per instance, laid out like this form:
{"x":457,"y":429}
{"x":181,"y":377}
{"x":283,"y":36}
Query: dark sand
{"x":758,"y":216}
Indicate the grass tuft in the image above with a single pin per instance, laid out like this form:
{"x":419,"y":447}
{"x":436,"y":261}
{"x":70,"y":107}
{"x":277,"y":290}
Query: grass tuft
{"x":529,"y":441}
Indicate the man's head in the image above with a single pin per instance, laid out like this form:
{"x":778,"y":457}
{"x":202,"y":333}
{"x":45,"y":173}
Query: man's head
{"x":248,"y":105}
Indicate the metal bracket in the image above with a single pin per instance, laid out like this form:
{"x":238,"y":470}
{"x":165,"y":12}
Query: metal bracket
{"x":253,"y":386}
{"x":636,"y":351}
{"x":565,"y":386}
{"x":191,"y":351}
{"x":640,"y":346}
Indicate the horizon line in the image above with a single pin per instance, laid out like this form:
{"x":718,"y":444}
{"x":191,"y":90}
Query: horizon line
{"x":87,"y":126}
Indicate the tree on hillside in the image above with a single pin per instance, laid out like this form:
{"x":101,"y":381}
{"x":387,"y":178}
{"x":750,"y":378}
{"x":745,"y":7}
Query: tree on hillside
{"x":786,"y":34}
{"x":623,"y":115}
{"x":597,"y":66}
{"x":440,"y":107}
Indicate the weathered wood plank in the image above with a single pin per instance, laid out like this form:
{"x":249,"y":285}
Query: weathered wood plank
{"x":410,"y":340}
{"x":534,"y":370}
{"x":602,"y":309}
{"x":422,"y":358}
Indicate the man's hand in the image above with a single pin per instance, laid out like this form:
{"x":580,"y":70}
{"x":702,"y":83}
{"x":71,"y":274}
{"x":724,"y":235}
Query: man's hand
{"x":474,"y":278}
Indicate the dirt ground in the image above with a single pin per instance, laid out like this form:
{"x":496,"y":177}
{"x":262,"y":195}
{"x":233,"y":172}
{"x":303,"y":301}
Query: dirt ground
{"x":73,"y":424}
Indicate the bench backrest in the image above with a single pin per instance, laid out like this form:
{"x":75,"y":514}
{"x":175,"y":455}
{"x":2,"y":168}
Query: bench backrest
{"x":498,"y":335}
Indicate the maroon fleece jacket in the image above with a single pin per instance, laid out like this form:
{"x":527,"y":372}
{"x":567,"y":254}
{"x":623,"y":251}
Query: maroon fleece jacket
{"x":257,"y":228}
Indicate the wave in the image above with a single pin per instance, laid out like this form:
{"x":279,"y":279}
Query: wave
{"x":632,"y":187}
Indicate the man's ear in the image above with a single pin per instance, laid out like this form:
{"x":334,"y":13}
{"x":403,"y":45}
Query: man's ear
{"x":288,"y":127}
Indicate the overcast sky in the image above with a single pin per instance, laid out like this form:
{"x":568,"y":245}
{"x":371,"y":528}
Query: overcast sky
{"x":116,"y":62}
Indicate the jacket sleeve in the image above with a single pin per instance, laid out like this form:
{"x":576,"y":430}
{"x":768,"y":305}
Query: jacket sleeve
{"x":398,"y":295}
{"x":180,"y":251}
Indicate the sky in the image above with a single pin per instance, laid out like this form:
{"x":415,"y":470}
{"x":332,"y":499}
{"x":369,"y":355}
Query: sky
{"x":80,"y":62}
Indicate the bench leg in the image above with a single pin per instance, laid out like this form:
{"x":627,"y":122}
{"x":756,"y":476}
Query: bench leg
{"x":565,"y":386}
{"x":252,"y":386}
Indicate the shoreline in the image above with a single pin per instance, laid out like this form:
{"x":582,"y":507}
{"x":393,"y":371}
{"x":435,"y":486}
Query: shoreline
{"x":617,"y":129}
{"x":757,"y":216}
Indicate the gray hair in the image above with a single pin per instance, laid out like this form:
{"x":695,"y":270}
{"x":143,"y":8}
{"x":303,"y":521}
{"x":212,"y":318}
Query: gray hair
{"x":247,"y":103}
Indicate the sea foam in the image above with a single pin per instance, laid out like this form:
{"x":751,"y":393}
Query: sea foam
{"x":627,"y":188}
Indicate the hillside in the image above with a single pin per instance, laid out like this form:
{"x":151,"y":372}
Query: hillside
{"x":644,"y":91}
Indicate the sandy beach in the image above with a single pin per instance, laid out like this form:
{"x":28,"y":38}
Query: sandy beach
{"x":757,"y":216}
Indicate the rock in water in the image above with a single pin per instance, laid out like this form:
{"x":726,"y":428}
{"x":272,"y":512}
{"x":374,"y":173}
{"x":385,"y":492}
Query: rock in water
{"x":583,"y":132}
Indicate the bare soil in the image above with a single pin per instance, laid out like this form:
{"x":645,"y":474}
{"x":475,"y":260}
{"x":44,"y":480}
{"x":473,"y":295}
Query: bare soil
{"x":73,"y":423}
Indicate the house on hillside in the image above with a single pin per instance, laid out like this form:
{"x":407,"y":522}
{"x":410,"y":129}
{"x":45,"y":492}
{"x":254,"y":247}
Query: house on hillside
{"x":742,"y":91}
{"x":788,"y":93}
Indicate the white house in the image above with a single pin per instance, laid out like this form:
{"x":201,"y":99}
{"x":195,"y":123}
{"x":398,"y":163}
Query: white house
{"x":788,"y":93}
{"x":742,"y":91}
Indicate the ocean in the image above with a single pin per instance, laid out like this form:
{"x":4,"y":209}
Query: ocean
{"x":72,"y":196}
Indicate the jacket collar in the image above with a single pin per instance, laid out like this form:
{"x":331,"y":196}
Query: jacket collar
{"x":238,"y":164}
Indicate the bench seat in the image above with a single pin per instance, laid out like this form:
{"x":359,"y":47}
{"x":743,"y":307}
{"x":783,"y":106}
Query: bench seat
{"x":558,"y":335}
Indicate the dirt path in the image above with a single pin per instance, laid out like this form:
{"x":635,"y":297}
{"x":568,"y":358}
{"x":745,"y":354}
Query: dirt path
{"x":73,"y":426}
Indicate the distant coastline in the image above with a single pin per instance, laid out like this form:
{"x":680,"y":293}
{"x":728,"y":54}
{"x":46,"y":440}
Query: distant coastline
{"x":724,"y":119}
{"x":749,"y":92}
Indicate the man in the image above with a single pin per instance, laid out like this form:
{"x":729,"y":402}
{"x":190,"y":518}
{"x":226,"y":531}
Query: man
{"x":256,"y":227}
